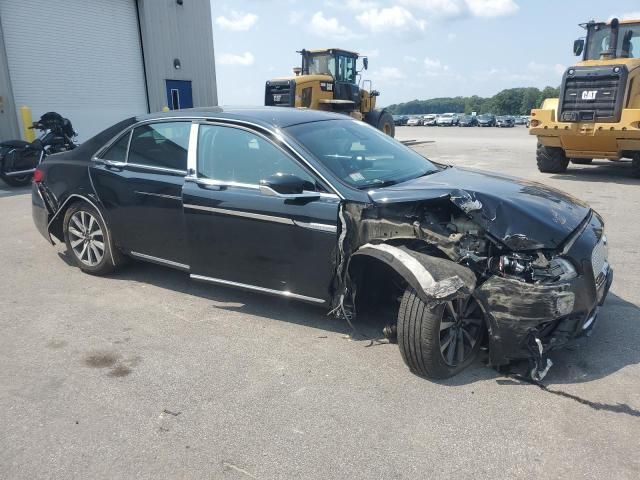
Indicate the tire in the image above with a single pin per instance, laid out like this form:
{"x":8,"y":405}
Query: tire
{"x":581,"y":161}
{"x":423,"y":340}
{"x":20,"y":181}
{"x":89,"y":241}
{"x":635,"y":165}
{"x":551,"y":159}
{"x":385,"y":124}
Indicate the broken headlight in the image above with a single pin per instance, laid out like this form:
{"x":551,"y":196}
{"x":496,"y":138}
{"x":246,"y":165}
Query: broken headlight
{"x":534,"y":268}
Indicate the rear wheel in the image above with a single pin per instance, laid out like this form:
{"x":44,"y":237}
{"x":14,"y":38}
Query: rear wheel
{"x":385,"y":124}
{"x":551,"y":159}
{"x":88,"y":240}
{"x":581,"y":161}
{"x":19,"y":181}
{"x":442,"y":341}
{"x":635,"y":165}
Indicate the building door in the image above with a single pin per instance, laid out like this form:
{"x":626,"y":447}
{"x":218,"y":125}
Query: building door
{"x":179,"y":94}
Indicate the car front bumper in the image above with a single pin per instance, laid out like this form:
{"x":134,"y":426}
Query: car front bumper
{"x":519,"y":313}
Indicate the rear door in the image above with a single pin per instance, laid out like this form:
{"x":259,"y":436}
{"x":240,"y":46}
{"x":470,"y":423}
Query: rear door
{"x":241,"y":237}
{"x":139,"y":181}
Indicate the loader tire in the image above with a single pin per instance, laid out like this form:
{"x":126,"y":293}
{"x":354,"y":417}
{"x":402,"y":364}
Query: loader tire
{"x":551,"y":159}
{"x":386,"y":125}
{"x":581,"y":161}
{"x":635,"y":165}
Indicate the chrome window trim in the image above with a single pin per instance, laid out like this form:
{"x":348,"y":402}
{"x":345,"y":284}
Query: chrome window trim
{"x":241,"y":213}
{"x":219,"y":183}
{"x":162,"y":261}
{"x":159,"y":169}
{"x":283,"y":293}
{"x":199,"y":119}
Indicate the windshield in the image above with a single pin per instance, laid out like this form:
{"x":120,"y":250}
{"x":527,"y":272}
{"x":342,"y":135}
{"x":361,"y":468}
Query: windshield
{"x":484,"y":117}
{"x":322,"y":64}
{"x":360,"y":155}
{"x":598,"y":38}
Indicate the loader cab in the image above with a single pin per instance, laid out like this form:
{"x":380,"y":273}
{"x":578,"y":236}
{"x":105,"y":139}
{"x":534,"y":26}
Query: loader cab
{"x":339,"y":64}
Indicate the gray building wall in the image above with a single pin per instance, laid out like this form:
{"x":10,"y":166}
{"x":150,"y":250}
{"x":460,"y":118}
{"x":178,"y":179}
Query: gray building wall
{"x":8,"y":119}
{"x":185,"y":32}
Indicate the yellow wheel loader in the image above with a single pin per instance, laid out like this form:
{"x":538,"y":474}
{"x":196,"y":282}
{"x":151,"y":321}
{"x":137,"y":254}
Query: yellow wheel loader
{"x":598,"y":112}
{"x":329,"y":80}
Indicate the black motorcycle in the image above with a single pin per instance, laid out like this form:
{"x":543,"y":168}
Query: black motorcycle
{"x":19,"y":159}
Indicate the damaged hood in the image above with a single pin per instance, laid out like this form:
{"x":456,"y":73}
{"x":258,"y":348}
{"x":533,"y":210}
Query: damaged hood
{"x":523,"y":215}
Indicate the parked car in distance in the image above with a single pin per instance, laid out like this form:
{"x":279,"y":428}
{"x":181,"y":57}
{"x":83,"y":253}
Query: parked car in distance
{"x":447,"y":120}
{"x":415,"y":121}
{"x":505,"y":121}
{"x":486,"y":120}
{"x":468,"y":121}
{"x":399,"y":120}
{"x":316,"y":206}
{"x":520,"y":120}
{"x":429,"y":120}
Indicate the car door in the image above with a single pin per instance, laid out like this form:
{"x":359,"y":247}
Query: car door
{"x":241,"y":236}
{"x":139,"y":181}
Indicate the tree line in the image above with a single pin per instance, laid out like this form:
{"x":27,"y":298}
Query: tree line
{"x":512,"y":101}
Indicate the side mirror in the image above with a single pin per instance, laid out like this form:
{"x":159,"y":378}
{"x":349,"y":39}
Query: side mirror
{"x":578,"y":46}
{"x":365,"y":63}
{"x":286,"y":185}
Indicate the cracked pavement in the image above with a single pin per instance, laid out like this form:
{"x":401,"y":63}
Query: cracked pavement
{"x":146,"y":374}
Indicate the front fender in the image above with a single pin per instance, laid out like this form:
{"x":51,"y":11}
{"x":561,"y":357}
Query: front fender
{"x":435,"y":280}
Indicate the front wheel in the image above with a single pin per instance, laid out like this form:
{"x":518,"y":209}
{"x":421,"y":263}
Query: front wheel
{"x":385,"y":124}
{"x":551,"y":159}
{"x":442,"y":341}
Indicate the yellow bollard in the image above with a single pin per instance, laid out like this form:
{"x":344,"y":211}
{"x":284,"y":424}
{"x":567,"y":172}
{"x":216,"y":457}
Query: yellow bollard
{"x":165,"y":109}
{"x":28,"y":133}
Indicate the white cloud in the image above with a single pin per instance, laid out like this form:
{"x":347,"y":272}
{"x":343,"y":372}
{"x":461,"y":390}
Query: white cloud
{"x":543,"y":68}
{"x":492,"y":8}
{"x":360,"y":4}
{"x":388,"y":73}
{"x":392,"y":18}
{"x":458,"y":8}
{"x":238,"y":22}
{"x":445,"y":8}
{"x":329,"y":27}
{"x":244,"y":60}
{"x":434,"y":64}
{"x":410,"y":59}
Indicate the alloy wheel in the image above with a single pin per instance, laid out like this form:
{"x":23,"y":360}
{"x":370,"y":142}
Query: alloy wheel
{"x":86,"y":238}
{"x":460,"y":330}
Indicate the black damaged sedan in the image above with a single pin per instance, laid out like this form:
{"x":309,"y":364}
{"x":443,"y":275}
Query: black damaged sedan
{"x":322,"y":208}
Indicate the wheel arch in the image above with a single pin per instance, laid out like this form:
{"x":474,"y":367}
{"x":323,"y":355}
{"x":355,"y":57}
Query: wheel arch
{"x":56,"y":227}
{"x":435,"y":280}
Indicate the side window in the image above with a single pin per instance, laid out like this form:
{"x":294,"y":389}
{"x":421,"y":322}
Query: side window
{"x":346,"y":69}
{"x":118,"y":151}
{"x":233,"y":155}
{"x":161,"y":145}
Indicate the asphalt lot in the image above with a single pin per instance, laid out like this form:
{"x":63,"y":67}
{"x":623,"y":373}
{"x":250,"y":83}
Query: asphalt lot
{"x":147,"y":374}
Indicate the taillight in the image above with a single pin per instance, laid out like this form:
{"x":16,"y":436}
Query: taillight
{"x":38,"y":175}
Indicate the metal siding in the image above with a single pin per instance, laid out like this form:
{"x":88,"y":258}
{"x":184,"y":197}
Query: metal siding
{"x":185,"y":32}
{"x":8,"y":121}
{"x":81,"y":58}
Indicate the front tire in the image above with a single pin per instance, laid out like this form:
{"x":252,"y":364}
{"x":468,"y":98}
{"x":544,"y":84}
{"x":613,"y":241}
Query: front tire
{"x":581,"y":161}
{"x":88,"y":240}
{"x":442,"y":341}
{"x":386,"y":125}
{"x":551,"y":159}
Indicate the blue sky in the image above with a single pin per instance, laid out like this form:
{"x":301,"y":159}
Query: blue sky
{"x":416,"y":48}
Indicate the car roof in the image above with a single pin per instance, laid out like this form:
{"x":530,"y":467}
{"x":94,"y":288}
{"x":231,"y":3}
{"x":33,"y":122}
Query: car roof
{"x":265,"y":116}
